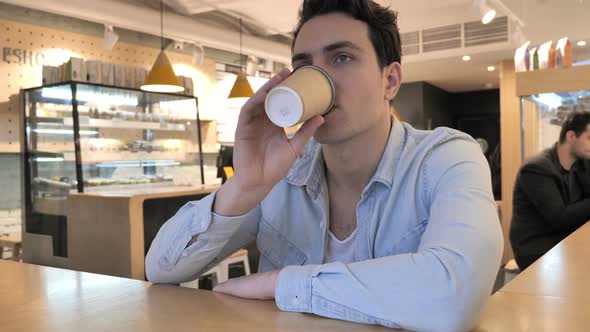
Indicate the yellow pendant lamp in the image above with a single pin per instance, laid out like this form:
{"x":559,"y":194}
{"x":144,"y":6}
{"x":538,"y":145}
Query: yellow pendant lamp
{"x":162,"y":77}
{"x":241,"y":88}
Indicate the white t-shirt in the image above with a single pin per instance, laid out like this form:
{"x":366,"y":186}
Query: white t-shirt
{"x":341,"y":251}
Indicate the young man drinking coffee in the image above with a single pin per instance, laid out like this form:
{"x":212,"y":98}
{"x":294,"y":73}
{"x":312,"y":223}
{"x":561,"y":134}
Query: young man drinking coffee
{"x":357,"y":217}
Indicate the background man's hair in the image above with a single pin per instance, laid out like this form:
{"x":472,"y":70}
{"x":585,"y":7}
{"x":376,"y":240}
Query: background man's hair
{"x":576,"y":121}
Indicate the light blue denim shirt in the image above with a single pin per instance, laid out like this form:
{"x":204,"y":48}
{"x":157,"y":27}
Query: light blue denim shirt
{"x":429,"y":239}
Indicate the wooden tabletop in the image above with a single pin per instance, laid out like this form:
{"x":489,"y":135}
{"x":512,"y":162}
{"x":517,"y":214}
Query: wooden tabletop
{"x":36,"y":298}
{"x":553,"y":294}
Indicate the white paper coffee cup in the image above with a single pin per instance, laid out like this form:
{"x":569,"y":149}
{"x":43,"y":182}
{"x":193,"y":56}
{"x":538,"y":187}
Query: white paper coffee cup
{"x":307,"y":92}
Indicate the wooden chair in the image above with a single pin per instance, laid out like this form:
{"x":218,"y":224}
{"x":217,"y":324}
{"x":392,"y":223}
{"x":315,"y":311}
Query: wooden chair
{"x":12,"y":241}
{"x":221,"y":271}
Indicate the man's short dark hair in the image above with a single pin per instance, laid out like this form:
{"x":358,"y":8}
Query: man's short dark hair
{"x":577,"y":121}
{"x":382,"y":22}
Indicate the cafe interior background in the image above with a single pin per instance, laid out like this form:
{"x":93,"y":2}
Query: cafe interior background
{"x":141,"y":155}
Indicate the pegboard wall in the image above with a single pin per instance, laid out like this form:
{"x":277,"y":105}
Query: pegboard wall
{"x":10,"y":125}
{"x":25,"y":48}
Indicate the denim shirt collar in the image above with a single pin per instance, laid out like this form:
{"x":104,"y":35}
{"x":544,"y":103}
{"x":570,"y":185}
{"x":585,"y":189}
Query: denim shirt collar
{"x":308,"y":170}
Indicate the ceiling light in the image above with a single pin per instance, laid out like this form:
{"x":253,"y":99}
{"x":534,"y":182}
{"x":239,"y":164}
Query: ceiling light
{"x":110,"y":37}
{"x":489,"y":16}
{"x":466,"y":58}
{"x":581,"y":43}
{"x":241,"y":88}
{"x":162,"y":77}
{"x":491,"y":68}
{"x":487,"y":13}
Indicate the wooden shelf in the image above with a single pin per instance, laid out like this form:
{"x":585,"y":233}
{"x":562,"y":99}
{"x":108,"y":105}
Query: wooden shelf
{"x":553,"y":80}
{"x":86,"y":122}
{"x":91,"y":157}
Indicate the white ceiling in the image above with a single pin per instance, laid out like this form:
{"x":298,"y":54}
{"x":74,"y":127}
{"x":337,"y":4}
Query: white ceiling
{"x":543,"y":20}
{"x":271,"y":21}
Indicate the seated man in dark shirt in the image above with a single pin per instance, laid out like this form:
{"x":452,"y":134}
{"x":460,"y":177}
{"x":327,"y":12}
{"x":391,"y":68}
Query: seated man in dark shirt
{"x":552,"y":192}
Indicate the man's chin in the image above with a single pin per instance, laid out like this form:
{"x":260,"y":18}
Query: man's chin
{"x":326,"y":135}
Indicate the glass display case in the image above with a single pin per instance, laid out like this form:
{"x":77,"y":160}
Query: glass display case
{"x":542,"y":115}
{"x":86,"y":138}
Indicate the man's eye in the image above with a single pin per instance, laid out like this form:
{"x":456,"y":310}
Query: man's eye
{"x":342,"y":58}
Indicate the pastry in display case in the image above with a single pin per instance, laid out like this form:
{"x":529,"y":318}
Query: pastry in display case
{"x":88,"y":138}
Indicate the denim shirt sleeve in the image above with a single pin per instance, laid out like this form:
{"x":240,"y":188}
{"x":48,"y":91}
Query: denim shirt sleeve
{"x":170,"y":261}
{"x":444,"y":285}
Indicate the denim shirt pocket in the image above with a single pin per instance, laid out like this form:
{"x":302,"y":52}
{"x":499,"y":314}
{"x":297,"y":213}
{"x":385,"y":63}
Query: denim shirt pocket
{"x":410,"y":241}
{"x":276,"y":248}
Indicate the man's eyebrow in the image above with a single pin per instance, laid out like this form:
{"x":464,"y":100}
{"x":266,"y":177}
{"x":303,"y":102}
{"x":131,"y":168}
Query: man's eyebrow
{"x":328,"y":48}
{"x":300,"y":57}
{"x":341,"y":44}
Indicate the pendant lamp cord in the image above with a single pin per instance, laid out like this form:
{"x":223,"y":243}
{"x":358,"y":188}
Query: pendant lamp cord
{"x":161,"y":25}
{"x":241,"y":55}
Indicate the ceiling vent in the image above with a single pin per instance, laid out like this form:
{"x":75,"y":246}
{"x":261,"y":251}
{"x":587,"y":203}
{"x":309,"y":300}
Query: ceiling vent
{"x":410,"y":42}
{"x":477,"y":33}
{"x":455,"y":36}
{"x":443,"y":38}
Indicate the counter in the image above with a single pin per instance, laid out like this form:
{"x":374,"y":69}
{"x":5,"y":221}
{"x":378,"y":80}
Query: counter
{"x":110,"y":232}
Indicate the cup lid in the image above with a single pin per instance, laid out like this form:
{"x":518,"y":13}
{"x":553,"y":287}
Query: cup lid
{"x":283,"y":106}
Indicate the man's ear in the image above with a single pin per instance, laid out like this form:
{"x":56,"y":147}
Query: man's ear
{"x":570,"y":136}
{"x":392,"y":79}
